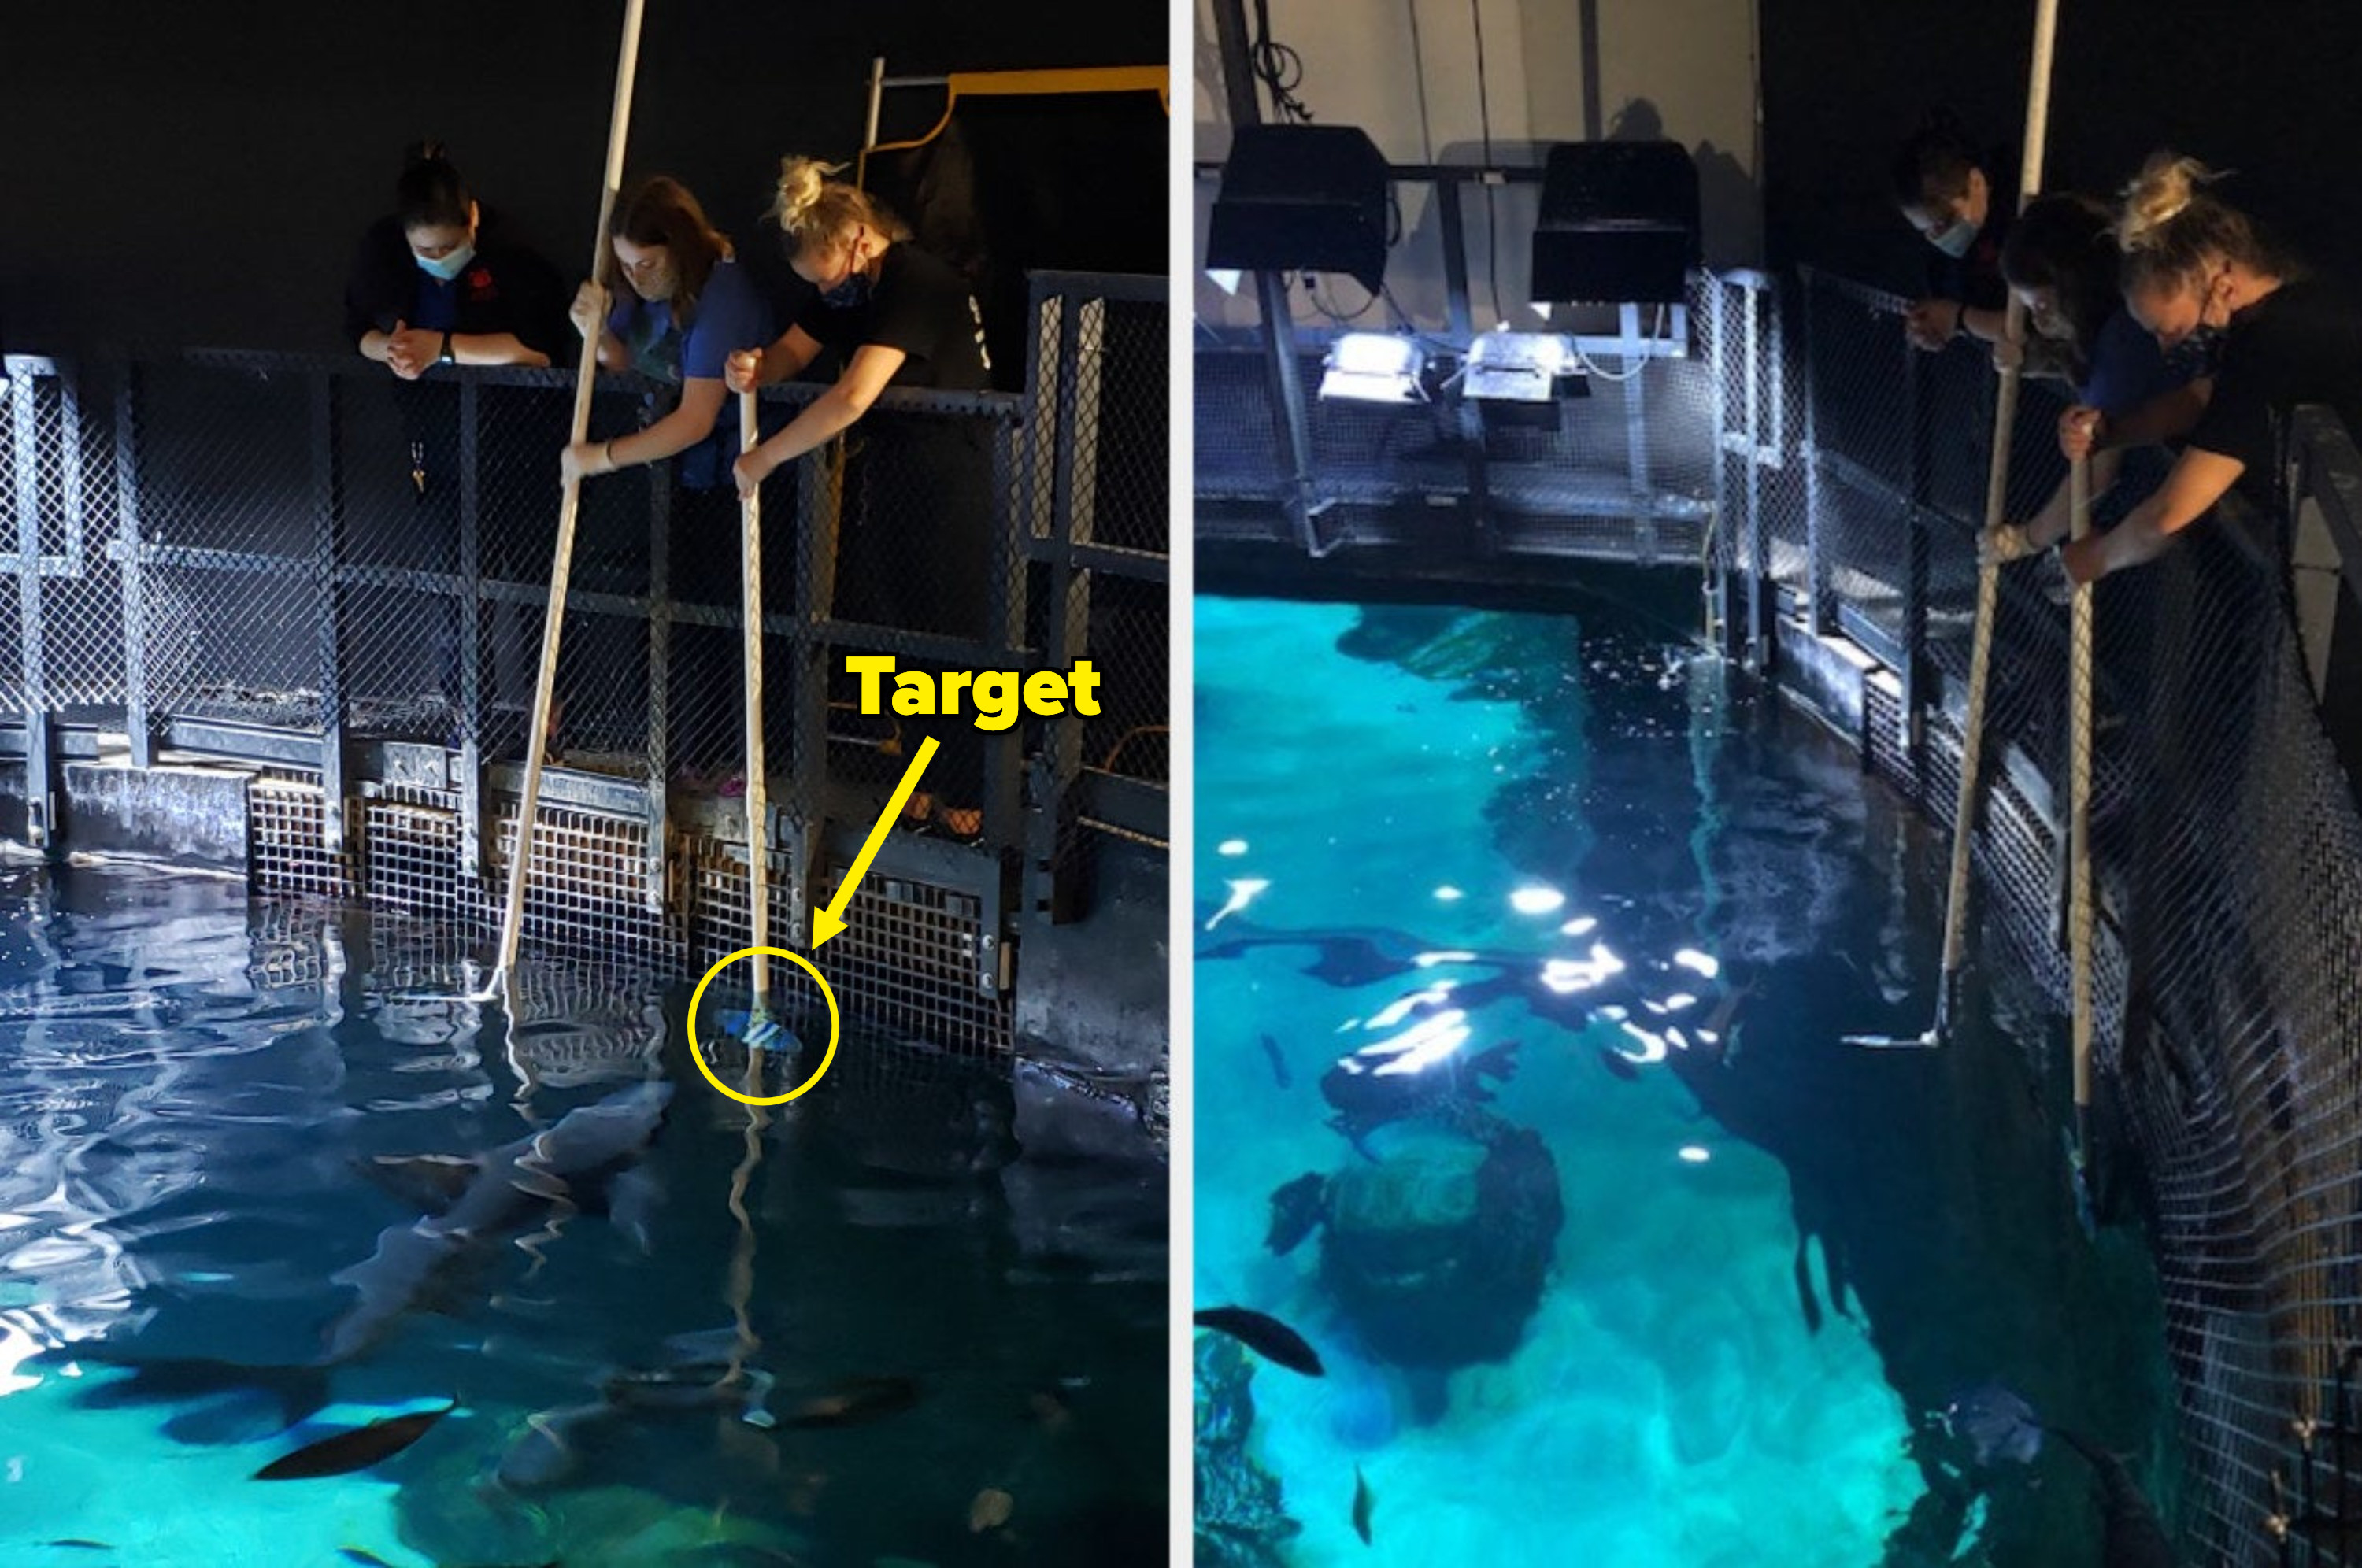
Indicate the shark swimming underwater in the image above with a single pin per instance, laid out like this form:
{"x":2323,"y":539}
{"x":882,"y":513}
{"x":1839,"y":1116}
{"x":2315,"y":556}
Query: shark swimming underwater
{"x":586,"y":1160}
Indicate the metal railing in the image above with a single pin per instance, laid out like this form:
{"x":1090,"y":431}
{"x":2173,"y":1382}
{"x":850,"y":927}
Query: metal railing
{"x":303,"y":563}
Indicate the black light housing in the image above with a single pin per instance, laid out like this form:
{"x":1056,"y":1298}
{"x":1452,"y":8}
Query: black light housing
{"x":1619,"y":223}
{"x":1302,"y":197}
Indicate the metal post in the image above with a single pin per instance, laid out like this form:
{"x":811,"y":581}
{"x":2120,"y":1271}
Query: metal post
{"x":327,"y":534}
{"x":1069,"y":612}
{"x":137,"y":723}
{"x":815,"y":597}
{"x":1636,"y":429}
{"x":474,"y":857}
{"x":1819,"y":600}
{"x":38,"y":799}
{"x":1718,"y":589}
{"x":659,"y":676}
{"x":1005,"y":636}
{"x":1291,"y":426}
{"x":1917,"y":489}
{"x":1758,"y":563}
{"x":1467,"y":415}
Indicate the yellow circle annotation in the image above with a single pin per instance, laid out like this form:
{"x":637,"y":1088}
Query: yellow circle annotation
{"x":697,"y":1052}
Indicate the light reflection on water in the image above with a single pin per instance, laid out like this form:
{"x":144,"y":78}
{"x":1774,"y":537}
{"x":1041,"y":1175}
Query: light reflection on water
{"x":198,"y":1103}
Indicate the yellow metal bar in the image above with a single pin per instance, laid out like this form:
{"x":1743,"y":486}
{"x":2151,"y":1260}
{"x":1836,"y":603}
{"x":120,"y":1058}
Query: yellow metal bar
{"x":1154,"y":79}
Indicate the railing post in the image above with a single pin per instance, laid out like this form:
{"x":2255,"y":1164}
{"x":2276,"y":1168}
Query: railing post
{"x":807,"y":651}
{"x":659,"y":675}
{"x":30,"y":649}
{"x":1917,"y":482}
{"x":1759,"y":561}
{"x":1820,"y":609}
{"x":1726,"y":548}
{"x":137,"y":723}
{"x":1468,"y":417}
{"x":327,"y":533}
{"x":468,"y":608}
{"x":1069,"y":616}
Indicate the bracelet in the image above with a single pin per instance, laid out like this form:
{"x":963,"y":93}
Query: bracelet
{"x":447,"y":357}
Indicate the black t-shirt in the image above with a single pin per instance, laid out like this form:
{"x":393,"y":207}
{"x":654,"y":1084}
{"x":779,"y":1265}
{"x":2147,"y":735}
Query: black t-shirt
{"x":2301,"y":343}
{"x":918,"y":306}
{"x":505,"y":287}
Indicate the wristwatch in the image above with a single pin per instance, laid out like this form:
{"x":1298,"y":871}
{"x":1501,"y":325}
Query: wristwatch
{"x":447,"y":357}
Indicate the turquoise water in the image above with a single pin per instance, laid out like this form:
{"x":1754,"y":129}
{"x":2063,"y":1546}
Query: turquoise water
{"x":195,"y":1095}
{"x":1777,"y":1254}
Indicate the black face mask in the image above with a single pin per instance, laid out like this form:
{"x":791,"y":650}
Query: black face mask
{"x":853,"y":292}
{"x":2197,"y":354}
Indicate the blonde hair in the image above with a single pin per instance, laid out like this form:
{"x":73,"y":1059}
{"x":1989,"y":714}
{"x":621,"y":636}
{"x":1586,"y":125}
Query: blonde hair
{"x":2170,"y":230}
{"x":815,"y":212}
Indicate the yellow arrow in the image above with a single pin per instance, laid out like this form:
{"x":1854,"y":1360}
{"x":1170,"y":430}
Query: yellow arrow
{"x":825,"y":921}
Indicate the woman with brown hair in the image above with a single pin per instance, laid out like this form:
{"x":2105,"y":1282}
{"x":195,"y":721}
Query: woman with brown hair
{"x":689,"y":305}
{"x":2195,"y":267}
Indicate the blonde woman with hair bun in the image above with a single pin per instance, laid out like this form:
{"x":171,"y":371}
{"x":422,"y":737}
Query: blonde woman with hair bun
{"x":887,"y":312}
{"x":2198,"y":274}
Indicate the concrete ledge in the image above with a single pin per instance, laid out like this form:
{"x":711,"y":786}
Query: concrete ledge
{"x":182,"y":815}
{"x":1829,"y":675}
{"x":1092,"y":997}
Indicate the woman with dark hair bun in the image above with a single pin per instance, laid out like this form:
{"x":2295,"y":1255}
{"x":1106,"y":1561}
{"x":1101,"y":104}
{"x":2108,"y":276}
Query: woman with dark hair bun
{"x":440,"y":281}
{"x":1960,"y":199}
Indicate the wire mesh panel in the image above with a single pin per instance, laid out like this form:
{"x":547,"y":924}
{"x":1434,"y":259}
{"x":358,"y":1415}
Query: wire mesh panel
{"x":287,"y":835}
{"x":232,"y":462}
{"x":2227,"y":851}
{"x":60,"y":524}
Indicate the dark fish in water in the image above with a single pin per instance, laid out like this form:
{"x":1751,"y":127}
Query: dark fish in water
{"x":1619,"y":1064}
{"x":83,"y":1543}
{"x":362,"y":1555}
{"x":1263,"y":1334}
{"x":1295,"y":1212}
{"x":1362,"y":1503}
{"x":356,"y":1449}
{"x":1280,"y":1075}
{"x":855,"y":1400}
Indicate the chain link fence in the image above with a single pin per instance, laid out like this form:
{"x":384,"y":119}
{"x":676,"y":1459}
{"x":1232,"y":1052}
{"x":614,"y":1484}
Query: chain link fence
{"x":308,"y":564}
{"x":2226,"y":844}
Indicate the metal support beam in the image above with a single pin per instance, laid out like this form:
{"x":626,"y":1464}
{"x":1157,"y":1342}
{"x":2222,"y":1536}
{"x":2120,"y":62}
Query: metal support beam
{"x":40,"y":795}
{"x":659,"y":677}
{"x":327,"y":536}
{"x":137,"y":723}
{"x":1467,"y":416}
{"x":475,"y":852}
{"x":1291,"y":426}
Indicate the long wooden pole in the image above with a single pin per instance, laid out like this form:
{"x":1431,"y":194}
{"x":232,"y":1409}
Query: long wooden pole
{"x":586,"y":373}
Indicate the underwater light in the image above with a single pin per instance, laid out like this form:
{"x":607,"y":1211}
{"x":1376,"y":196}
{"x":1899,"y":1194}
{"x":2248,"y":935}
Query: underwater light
{"x":1581,"y":925}
{"x":1537,"y":901}
{"x":1691,"y":958}
{"x":1454,"y":955}
{"x":1374,"y":366}
{"x":1232,"y":847}
{"x":1523,"y":367}
{"x":1449,"y":894}
{"x":1693,"y":1155}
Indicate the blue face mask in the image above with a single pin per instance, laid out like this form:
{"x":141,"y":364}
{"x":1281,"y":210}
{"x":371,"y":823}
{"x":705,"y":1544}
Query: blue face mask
{"x":448,"y":265}
{"x":852,"y":293}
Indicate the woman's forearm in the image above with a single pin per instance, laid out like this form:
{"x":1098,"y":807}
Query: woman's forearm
{"x":495,"y":348}
{"x":373,"y":345}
